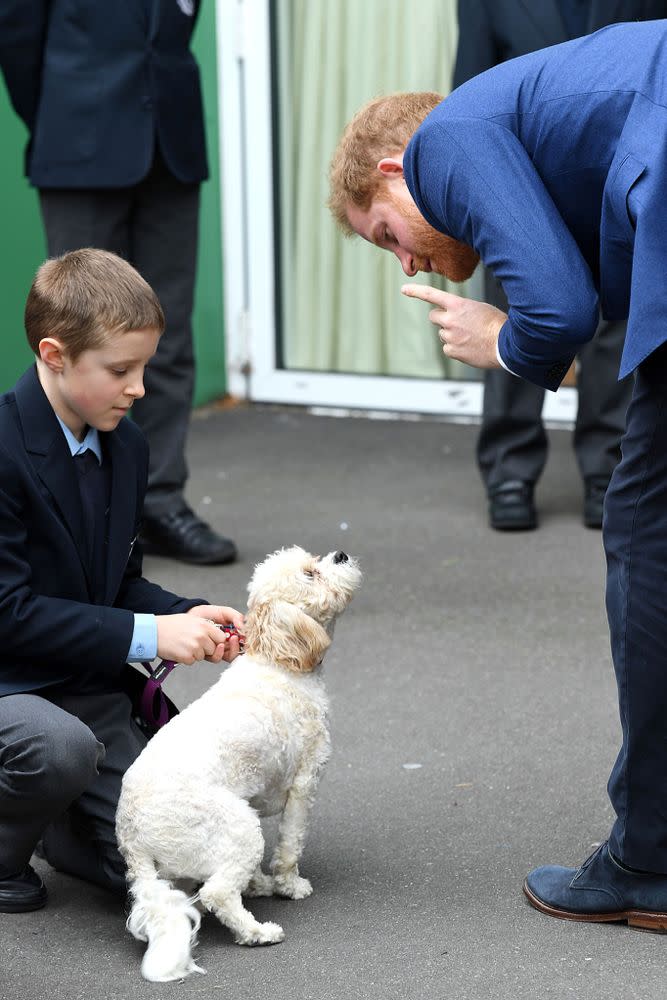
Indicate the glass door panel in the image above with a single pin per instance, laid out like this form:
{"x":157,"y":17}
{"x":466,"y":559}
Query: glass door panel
{"x":312,"y":316}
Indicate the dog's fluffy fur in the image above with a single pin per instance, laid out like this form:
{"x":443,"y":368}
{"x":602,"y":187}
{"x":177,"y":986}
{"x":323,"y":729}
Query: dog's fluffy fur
{"x":251,"y":746}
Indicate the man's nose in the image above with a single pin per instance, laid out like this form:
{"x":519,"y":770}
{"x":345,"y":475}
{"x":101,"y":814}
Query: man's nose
{"x":408,"y":262}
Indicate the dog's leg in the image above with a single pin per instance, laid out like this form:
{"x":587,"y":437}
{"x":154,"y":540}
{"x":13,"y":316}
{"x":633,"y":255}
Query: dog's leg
{"x":260,"y":884}
{"x":224,"y":900}
{"x":291,"y":837}
{"x":239,"y":858}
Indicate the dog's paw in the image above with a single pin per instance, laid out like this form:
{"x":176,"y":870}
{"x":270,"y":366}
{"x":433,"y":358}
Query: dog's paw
{"x":266,"y":933}
{"x":292,"y":886}
{"x":260,"y":885}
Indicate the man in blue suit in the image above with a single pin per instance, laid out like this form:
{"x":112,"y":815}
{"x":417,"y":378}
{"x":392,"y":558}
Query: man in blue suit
{"x":552,"y":168}
{"x":512,"y":444}
{"x":111,"y":98}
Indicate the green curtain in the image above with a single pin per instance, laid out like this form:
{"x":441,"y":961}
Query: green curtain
{"x":342,"y":307}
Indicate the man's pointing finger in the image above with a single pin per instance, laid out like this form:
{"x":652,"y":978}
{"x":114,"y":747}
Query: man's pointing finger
{"x":427,"y":293}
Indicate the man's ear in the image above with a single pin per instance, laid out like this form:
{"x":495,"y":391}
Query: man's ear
{"x":391,"y":166}
{"x":52,"y":353}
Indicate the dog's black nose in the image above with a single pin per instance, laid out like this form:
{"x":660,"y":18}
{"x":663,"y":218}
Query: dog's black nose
{"x":340,"y":557}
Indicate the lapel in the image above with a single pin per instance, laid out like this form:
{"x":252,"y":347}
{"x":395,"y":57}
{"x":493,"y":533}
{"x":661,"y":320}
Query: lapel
{"x":546,"y":18}
{"x":50,"y":456}
{"x":146,"y":13}
{"x":122,"y":510}
{"x":153,"y":16}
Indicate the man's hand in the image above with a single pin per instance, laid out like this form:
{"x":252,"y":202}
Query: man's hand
{"x":224,"y":616}
{"x":468,"y":329}
{"x":190,"y":637}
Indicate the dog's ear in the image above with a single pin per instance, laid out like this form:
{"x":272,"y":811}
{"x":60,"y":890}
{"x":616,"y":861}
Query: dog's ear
{"x":284,"y":634}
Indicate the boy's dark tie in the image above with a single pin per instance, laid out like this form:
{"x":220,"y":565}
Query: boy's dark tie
{"x":94,"y":487}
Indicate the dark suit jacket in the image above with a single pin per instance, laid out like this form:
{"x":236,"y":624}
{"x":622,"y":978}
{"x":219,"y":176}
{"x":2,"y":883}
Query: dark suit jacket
{"x":99,"y":84}
{"x":50,"y":631}
{"x":553,"y":166}
{"x":492,"y":31}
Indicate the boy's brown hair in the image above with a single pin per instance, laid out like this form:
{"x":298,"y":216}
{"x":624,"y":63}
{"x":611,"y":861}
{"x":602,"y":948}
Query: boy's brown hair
{"x":383,"y":127}
{"x":86,"y":295}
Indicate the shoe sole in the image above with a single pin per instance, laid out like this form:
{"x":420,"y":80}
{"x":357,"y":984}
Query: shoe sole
{"x":7,"y":906}
{"x":513,"y":525}
{"x":645,"y":920}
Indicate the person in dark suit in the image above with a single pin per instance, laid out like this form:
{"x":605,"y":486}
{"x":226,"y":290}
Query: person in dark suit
{"x":117,"y":150}
{"x":74,"y":606}
{"x":552,"y":169}
{"x":512,"y":444}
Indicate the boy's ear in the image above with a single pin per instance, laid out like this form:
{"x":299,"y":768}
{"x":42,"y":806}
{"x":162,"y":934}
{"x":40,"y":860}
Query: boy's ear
{"x":52,"y":353}
{"x":391,"y":166}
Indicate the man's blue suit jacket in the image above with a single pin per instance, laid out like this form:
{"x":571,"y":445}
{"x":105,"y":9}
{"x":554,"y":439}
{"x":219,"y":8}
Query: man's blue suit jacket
{"x":100,"y":84}
{"x":51,"y":632}
{"x":553,"y":167}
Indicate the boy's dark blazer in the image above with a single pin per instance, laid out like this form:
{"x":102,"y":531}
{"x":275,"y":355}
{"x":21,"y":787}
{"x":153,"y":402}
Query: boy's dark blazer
{"x":50,"y":631}
{"x":99,"y":85}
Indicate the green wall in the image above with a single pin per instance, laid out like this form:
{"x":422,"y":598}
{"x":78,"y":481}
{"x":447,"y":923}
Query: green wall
{"x":22,"y":246}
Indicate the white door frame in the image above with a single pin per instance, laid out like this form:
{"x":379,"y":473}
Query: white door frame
{"x":246,"y":160}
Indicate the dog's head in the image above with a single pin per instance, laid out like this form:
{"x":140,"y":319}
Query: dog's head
{"x":294,"y":600}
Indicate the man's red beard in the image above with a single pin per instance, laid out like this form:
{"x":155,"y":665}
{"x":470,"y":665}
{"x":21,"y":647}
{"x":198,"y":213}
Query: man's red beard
{"x":454,"y":260}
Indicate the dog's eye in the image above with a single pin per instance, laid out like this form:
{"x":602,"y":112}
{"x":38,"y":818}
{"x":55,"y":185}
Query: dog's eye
{"x":309,"y":574}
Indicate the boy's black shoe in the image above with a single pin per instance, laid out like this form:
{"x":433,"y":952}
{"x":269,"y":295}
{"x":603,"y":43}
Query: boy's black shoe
{"x":182,"y":535}
{"x":22,"y":892}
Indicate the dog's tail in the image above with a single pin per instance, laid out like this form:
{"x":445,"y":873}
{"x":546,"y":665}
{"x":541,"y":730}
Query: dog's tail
{"x":169,"y":921}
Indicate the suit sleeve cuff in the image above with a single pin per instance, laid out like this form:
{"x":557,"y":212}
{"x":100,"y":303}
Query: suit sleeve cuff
{"x":144,"y":639}
{"x":501,"y":362}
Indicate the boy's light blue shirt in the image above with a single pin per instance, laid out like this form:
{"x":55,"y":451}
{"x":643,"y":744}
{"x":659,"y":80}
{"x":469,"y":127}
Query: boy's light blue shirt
{"x":144,"y":636}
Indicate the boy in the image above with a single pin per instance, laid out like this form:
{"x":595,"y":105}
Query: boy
{"x":74,"y":606}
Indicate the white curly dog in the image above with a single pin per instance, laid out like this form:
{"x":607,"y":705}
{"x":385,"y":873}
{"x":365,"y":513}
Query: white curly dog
{"x":253,"y":745}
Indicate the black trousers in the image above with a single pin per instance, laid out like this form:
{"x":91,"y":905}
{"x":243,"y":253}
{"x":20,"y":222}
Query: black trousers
{"x":512,"y":442}
{"x":635,"y":540}
{"x":62,"y":761}
{"x":154,"y":225}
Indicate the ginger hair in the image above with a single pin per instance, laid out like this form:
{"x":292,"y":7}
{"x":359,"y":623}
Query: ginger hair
{"x":382,"y":127}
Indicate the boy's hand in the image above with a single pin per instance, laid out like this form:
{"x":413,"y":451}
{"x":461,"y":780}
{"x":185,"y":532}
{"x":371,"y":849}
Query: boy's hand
{"x":224,"y":616}
{"x":189,"y":637}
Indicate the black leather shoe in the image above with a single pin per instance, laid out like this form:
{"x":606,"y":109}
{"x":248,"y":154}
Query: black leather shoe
{"x":511,"y":506}
{"x":595,"y":488}
{"x":22,"y":892}
{"x":182,"y":535}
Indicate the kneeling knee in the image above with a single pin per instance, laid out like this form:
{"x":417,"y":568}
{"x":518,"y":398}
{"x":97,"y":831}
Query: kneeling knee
{"x":56,"y":765}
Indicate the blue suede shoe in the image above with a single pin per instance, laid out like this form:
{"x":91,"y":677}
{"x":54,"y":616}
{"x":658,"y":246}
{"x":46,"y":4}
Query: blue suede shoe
{"x":600,"y":891}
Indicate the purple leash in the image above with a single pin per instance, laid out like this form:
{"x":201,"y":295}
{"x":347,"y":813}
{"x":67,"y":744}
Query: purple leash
{"x":154,"y":708}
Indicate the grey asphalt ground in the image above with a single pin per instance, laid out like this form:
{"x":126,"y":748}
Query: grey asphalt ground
{"x":474,"y":725}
